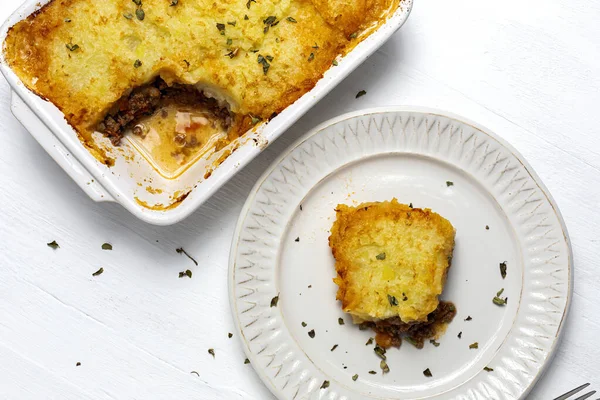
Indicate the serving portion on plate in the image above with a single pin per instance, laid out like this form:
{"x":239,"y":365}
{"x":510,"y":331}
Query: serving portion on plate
{"x":392,"y":261}
{"x":161,"y":93}
{"x":380,"y":219}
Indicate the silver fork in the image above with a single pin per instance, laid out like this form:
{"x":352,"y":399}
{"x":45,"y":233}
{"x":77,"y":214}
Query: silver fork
{"x":577,"y":390}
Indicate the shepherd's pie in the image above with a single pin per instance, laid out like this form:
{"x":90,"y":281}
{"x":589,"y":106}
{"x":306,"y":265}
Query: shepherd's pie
{"x":391,"y":262}
{"x":107,"y":64}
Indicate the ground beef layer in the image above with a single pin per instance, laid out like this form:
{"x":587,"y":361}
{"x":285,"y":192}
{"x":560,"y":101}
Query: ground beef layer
{"x":146,"y":99}
{"x":391,"y":331}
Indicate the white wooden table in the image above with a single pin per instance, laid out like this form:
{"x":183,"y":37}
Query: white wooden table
{"x":529,"y":71}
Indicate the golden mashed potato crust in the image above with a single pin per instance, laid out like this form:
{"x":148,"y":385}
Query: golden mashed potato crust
{"x":388,"y":253}
{"x":81,"y":54}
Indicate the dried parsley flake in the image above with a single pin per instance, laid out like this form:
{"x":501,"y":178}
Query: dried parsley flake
{"x":380,"y":351}
{"x":72,"y":47}
{"x":182,"y":251}
{"x":474,"y":345}
{"x":503,"y":269}
{"x":274,"y":301}
{"x":265,"y":63}
{"x":311,"y":333}
{"x":140,"y":14}
{"x":361,"y":93}
{"x":53,"y":245}
{"x":427,"y":373}
{"x":325,"y":385}
{"x":384,"y":367}
{"x":211,"y":352}
{"x":187,"y":273}
{"x":107,"y":246}
{"x":498,"y":300}
{"x":341,"y":321}
{"x":380,"y":256}
{"x":100,"y":271}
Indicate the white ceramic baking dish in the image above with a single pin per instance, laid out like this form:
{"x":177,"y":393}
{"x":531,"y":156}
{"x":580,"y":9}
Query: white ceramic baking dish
{"x":132,"y":181}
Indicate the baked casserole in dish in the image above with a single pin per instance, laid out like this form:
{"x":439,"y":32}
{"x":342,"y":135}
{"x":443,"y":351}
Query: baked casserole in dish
{"x":183,"y":80}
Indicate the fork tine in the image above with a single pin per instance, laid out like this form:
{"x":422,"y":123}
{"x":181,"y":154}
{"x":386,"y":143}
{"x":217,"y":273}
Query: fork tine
{"x":585,"y":396}
{"x":572,"y":392}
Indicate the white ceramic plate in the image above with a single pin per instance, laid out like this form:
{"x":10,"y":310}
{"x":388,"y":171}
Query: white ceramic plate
{"x":409,"y":154}
{"x":132,"y":178}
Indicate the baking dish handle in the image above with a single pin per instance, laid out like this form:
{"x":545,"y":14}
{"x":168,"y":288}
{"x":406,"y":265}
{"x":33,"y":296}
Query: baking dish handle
{"x":57,"y":150}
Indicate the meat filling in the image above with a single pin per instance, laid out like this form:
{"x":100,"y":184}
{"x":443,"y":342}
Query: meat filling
{"x":390,"y":331}
{"x":145,"y":100}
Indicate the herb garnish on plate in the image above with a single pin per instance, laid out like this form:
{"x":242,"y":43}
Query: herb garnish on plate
{"x":274,"y":301}
{"x":503,"y":269}
{"x":498,"y":300}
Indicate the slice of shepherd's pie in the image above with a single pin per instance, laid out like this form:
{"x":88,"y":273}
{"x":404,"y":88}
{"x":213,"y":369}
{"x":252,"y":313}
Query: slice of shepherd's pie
{"x":391,"y":263}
